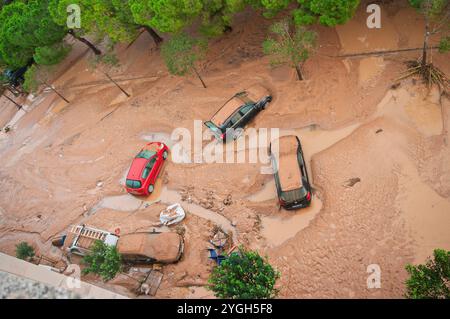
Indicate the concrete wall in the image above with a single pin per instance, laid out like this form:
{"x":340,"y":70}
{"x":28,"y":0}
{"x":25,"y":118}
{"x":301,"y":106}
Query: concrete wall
{"x":59,"y":284}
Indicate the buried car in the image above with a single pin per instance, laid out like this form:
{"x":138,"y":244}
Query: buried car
{"x":145,"y":168}
{"x":232,"y":117}
{"x":136,"y":248}
{"x":151,"y":247}
{"x":290,"y":173}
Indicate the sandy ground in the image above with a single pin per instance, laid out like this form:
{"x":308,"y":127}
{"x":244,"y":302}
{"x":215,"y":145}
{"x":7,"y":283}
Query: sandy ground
{"x":64,"y":163}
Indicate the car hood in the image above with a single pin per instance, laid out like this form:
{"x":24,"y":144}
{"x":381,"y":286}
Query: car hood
{"x":136,"y":168}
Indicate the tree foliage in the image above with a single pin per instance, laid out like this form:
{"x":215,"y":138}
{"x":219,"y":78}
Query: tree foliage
{"x":292,"y":47}
{"x":165,"y":15}
{"x":51,"y":54}
{"x":181,"y":54}
{"x":244,"y":275}
{"x":104,"y":260}
{"x":32,"y":82}
{"x":217,"y":15}
{"x":326,"y":12}
{"x":25,"y":26}
{"x":437,"y":20}
{"x":24,"y":251}
{"x":431,"y":280}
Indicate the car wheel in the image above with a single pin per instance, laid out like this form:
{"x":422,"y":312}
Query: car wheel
{"x":151,"y":188}
{"x":165,"y":155}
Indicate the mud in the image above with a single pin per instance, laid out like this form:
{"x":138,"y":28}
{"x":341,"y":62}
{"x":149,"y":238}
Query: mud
{"x":65,"y":163}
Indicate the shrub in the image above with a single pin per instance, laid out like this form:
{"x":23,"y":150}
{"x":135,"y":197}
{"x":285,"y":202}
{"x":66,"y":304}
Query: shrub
{"x":104,"y":260}
{"x":431,"y":280}
{"x":24,"y":251}
{"x":244,"y":275}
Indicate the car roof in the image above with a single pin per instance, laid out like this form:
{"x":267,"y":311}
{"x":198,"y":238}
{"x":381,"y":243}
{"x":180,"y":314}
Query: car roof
{"x":253,"y":94}
{"x":227,"y":110}
{"x":163,"y":247}
{"x":289,"y":171}
{"x":136,"y":168}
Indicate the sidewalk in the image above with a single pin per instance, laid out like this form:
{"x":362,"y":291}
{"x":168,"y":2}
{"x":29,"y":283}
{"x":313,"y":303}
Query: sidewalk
{"x":45,"y":276}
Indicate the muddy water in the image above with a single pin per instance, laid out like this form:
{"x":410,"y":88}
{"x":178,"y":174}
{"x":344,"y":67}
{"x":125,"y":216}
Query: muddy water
{"x":277,"y":229}
{"x":426,"y":213}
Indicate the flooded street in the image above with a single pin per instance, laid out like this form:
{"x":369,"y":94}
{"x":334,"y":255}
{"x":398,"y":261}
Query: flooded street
{"x":286,"y":224}
{"x":377,"y":155}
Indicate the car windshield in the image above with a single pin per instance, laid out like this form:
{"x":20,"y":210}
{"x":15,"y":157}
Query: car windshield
{"x":148,"y":168}
{"x":294,"y":195}
{"x":145,"y":154}
{"x":131,"y":183}
{"x":213,"y":127}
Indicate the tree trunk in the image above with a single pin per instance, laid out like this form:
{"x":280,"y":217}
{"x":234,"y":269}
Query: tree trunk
{"x":425,"y":45}
{"x":15,"y":103}
{"x":115,"y":83}
{"x":54,"y":90}
{"x":195,"y":70}
{"x":299,"y":73}
{"x":85,"y":41}
{"x":153,"y":34}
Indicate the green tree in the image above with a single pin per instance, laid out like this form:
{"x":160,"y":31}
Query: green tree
{"x":326,"y":12}
{"x":52,"y":54}
{"x":431,"y":280}
{"x":24,"y":251}
{"x":58,"y":13}
{"x":124,"y":13}
{"x":165,"y":15}
{"x":272,"y":7}
{"x":216,"y":15}
{"x":25,"y":26}
{"x":437,"y":19}
{"x":244,"y":275}
{"x":290,"y":47}
{"x":32,"y":81}
{"x":182,"y":53}
{"x":104,"y":260}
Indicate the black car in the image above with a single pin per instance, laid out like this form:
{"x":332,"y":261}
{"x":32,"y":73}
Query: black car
{"x":290,"y":173}
{"x":232,"y":117}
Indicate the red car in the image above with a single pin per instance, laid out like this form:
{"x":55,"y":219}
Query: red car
{"x":145,"y":168}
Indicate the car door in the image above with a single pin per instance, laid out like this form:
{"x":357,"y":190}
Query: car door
{"x":235,"y":120}
{"x":247,"y":111}
{"x":151,"y":165}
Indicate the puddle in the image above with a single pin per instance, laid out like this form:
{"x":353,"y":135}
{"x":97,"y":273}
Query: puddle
{"x":123,"y":203}
{"x":158,"y":137}
{"x":427,"y":213}
{"x":267,"y":192}
{"x":286,"y":224}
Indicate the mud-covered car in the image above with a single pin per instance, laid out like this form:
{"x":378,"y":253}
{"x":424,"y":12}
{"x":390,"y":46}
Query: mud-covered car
{"x":290,"y":173}
{"x":151,"y":247}
{"x":227,"y":122}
